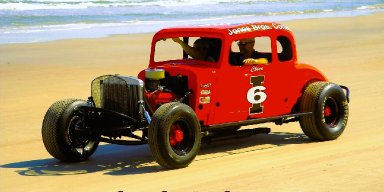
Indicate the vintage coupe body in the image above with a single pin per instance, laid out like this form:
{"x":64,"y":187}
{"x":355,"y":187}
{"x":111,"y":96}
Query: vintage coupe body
{"x":178,"y":100}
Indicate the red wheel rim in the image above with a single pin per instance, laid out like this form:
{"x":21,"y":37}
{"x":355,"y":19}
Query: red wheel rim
{"x":181,"y":137}
{"x":331,"y":112}
{"x":176,"y":135}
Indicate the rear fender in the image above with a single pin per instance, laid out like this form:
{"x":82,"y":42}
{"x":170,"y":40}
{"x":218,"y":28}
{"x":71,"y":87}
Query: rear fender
{"x":306,"y":74}
{"x":309,"y":74}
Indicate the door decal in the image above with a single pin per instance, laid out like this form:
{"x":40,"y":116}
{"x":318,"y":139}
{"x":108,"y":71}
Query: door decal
{"x":255,"y":95}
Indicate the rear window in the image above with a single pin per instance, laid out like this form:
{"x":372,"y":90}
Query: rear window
{"x":284,"y":48}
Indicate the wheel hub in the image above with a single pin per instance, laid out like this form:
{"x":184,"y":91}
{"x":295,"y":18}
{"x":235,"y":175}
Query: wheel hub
{"x":327,"y":111}
{"x":76,"y":138}
{"x":331,"y":112}
{"x":176,"y":135}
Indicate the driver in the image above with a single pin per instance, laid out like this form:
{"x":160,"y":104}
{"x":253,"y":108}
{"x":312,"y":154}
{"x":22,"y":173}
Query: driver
{"x":198,"y":51}
{"x":247,"y":55}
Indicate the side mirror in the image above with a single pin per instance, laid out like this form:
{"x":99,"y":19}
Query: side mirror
{"x":259,"y":61}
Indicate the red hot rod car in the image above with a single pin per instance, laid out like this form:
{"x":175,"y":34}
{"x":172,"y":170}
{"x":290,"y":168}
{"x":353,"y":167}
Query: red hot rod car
{"x":200,"y":80}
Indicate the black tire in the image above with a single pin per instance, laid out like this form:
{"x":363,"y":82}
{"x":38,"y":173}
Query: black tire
{"x":174,"y":135}
{"x":329,"y":108}
{"x":60,"y":138}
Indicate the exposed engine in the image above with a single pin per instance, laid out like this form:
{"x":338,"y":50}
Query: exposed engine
{"x":162,"y":88}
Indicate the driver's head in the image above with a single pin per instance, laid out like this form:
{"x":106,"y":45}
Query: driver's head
{"x":201,"y":45}
{"x":246,"y":45}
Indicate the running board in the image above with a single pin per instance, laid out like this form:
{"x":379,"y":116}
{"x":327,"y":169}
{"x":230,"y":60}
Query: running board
{"x":278,"y":120}
{"x":122,"y":142}
{"x":210,"y":137}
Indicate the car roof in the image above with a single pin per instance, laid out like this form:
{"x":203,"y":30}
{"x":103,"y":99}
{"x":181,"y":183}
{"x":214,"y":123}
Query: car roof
{"x":226,"y":30}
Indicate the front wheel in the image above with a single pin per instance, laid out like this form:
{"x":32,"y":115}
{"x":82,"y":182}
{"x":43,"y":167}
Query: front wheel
{"x":61,"y":132}
{"x":329,"y":108}
{"x":174,"y":135}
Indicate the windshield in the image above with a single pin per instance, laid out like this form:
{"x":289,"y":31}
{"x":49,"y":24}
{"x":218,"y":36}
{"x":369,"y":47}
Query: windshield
{"x":183,"y":48}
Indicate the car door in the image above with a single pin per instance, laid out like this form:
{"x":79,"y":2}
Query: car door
{"x":244,"y":89}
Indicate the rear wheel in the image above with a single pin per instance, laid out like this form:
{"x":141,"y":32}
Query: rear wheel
{"x":174,"y":135}
{"x":329,"y":108}
{"x":61,"y":132}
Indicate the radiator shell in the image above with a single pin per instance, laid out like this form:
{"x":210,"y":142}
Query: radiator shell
{"x":119,"y":93}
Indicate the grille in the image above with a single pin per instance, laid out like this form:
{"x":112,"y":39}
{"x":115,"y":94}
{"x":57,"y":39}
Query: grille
{"x":118,"y":93}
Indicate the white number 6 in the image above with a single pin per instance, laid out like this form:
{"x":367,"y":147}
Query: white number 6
{"x":256,"y":91}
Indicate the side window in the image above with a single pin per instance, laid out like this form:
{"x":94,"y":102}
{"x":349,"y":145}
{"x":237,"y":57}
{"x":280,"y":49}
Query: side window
{"x":284,"y":48}
{"x":200,"y":48}
{"x":255,"y":48}
{"x":166,"y":50}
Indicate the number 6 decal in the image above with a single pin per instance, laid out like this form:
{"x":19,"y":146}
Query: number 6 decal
{"x":255,"y":95}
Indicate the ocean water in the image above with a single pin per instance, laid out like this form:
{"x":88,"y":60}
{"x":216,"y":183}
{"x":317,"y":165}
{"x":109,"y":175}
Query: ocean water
{"x":25,"y":21}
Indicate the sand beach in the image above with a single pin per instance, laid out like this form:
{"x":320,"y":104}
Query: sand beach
{"x":348,"y":50}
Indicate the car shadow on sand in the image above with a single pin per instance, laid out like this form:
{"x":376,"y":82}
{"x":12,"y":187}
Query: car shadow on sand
{"x":129,"y":160}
